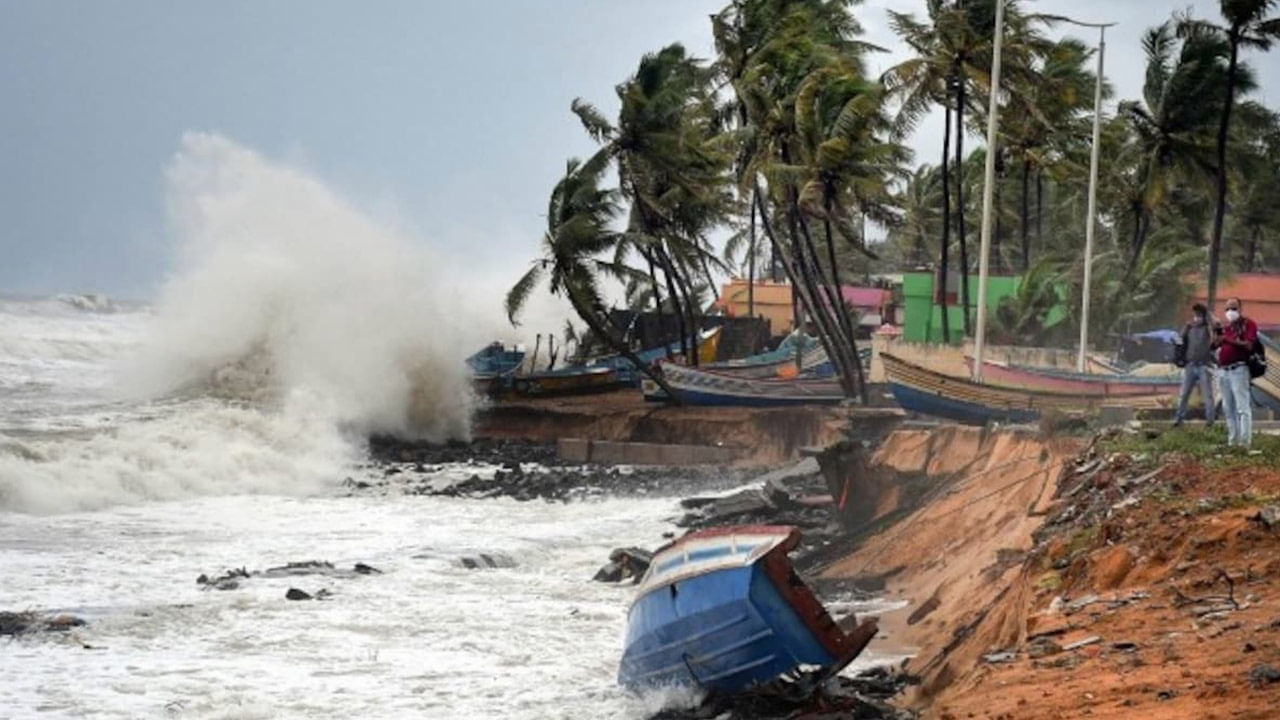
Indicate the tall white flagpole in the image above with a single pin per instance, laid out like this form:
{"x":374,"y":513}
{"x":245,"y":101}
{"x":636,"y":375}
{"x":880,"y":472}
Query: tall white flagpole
{"x":1093,"y":202}
{"x":988,"y":193}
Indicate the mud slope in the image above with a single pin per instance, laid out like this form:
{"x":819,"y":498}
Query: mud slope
{"x":1153,"y":592}
{"x":957,"y":539}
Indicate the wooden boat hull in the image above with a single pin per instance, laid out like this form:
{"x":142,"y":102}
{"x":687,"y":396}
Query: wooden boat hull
{"x":567,"y":382}
{"x":722,"y":610}
{"x":1052,"y":380}
{"x":920,"y":390}
{"x":705,"y":388}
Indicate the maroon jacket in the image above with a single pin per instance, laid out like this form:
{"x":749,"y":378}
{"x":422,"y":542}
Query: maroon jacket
{"x":1242,"y":329}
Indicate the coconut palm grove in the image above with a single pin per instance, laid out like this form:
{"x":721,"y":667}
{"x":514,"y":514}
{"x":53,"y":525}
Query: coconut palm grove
{"x":783,"y":158}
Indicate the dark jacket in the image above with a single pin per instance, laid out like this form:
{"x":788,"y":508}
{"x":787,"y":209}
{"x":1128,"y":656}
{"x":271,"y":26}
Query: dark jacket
{"x":1197,"y":344}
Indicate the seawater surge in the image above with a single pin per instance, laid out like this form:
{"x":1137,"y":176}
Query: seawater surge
{"x":291,"y":326}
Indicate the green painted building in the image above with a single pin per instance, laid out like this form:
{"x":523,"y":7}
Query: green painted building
{"x":922,"y":316}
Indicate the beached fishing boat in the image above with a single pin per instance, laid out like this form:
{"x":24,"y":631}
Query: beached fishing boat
{"x":779,"y":362}
{"x":694,"y":386}
{"x":722,"y":610}
{"x":493,"y":367}
{"x":630,"y":375}
{"x":924,"y":391}
{"x":603,"y":375}
{"x":1025,"y":377}
{"x":568,"y":381}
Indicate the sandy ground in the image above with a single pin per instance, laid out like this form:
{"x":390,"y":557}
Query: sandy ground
{"x":1176,"y":598}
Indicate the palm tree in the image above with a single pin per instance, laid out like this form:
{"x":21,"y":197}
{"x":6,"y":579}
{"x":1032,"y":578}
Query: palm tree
{"x":919,"y":83}
{"x":769,"y":48}
{"x":850,"y":158}
{"x":672,"y":170}
{"x":1045,"y":121}
{"x":579,"y":218}
{"x":919,"y":199}
{"x":1172,"y":123}
{"x":1257,"y":158}
{"x":1248,"y":25}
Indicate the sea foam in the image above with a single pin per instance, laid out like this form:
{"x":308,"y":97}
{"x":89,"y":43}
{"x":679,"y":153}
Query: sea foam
{"x":282,"y":285}
{"x":291,"y":326}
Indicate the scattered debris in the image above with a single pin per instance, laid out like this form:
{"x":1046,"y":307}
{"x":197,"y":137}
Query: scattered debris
{"x":21,"y":623}
{"x":231,"y":579}
{"x":625,"y":564}
{"x":1043,"y":647}
{"x":1268,"y":517}
{"x":1091,"y":640}
{"x":1263,"y":674}
{"x":296,"y":594}
{"x":862,"y":697}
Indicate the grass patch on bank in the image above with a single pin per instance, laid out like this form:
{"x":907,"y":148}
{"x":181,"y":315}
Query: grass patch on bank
{"x":1208,"y":445}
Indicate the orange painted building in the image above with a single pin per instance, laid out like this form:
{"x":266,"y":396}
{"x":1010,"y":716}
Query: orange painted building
{"x":772,"y":302}
{"x":1259,"y":295}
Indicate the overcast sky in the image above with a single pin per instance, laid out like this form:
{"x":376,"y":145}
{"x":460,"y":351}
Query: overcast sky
{"x":452,"y":117}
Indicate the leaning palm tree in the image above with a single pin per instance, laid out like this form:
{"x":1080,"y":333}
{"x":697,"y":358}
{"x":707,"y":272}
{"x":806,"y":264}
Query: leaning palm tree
{"x":1249,"y":25}
{"x":672,"y":170}
{"x":1173,"y":122}
{"x":920,"y":82}
{"x":579,"y":218}
{"x":768,"y":48}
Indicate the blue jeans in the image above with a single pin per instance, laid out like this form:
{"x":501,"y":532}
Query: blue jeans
{"x":1237,"y":405}
{"x":1193,"y":375}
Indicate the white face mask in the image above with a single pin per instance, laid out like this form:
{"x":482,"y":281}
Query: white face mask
{"x":1233,"y":315}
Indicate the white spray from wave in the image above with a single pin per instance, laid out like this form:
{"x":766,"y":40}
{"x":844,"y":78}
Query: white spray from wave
{"x":292,"y":325}
{"x":282,"y":285}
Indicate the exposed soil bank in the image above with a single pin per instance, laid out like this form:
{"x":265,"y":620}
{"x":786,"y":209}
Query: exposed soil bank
{"x":953,"y":510}
{"x":1055,"y":579}
{"x":762,"y":435}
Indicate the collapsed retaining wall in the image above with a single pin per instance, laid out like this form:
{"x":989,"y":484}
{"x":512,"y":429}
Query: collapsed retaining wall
{"x":754,"y":435}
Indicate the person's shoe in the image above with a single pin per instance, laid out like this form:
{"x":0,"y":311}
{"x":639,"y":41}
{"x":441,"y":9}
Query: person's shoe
{"x":1177,"y":423}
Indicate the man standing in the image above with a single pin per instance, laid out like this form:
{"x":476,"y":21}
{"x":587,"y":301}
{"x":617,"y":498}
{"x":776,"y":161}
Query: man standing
{"x":1235,"y":343}
{"x":1196,"y":357}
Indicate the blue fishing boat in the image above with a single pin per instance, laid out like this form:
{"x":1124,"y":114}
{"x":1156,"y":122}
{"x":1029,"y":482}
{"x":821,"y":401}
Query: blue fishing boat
{"x":494,"y":366}
{"x":722,"y":610}
{"x":924,"y":391}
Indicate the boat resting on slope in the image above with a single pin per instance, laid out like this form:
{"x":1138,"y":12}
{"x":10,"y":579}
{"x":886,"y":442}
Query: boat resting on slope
{"x":493,"y":367}
{"x":722,"y":610}
{"x":1025,"y":377}
{"x":710,"y":388}
{"x":924,"y":391}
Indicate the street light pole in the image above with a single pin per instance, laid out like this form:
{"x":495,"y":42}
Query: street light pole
{"x":1093,"y":194}
{"x":988,"y":190}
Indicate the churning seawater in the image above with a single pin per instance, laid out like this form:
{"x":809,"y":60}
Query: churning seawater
{"x":110,"y":509}
{"x":144,"y":445}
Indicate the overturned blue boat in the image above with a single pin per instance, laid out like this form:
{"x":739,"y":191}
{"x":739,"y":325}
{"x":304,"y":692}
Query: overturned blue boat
{"x":722,"y":610}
